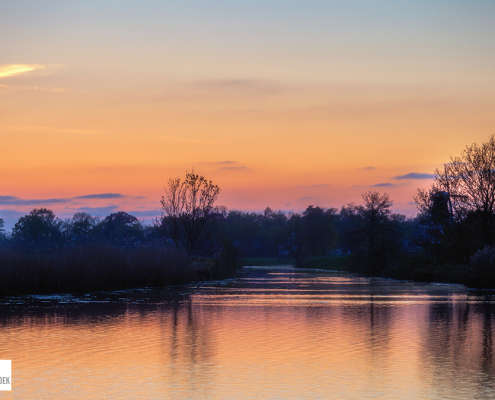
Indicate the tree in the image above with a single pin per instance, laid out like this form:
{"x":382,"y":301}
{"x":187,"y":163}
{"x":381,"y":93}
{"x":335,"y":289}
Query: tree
{"x":121,"y":228}
{"x":188,"y":212}
{"x":39,"y":225}
{"x":2,"y":229}
{"x":370,"y":231}
{"x":295,"y":239}
{"x":349,"y":228}
{"x":467,"y":185}
{"x":320,"y":233}
{"x":83,"y":224}
{"x":375,"y":213}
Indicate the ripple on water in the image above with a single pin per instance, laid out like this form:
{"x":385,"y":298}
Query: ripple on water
{"x":269,"y":334}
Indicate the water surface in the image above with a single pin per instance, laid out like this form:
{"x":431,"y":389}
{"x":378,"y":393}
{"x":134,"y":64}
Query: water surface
{"x":275,"y":333}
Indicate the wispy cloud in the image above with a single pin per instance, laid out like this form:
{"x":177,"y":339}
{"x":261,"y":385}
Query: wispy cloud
{"x":5,"y":212}
{"x":16,"y":201}
{"x":101,"y":196}
{"x":234,"y":168}
{"x":16,"y":69}
{"x":226,"y":162}
{"x":370,"y":168}
{"x":415,"y":175}
{"x":385,"y":184}
{"x":306,"y":198}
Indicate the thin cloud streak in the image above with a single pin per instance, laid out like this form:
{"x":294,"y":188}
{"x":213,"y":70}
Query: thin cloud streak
{"x":234,"y":168}
{"x":101,"y":196}
{"x":16,"y":69}
{"x":16,"y":201}
{"x":385,"y":184}
{"x":415,"y":175}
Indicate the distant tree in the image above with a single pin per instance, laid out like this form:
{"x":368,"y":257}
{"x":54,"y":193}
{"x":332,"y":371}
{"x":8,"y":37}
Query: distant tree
{"x":349,"y":225}
{"x":39,"y":225}
{"x":319,"y":229}
{"x":83,"y":223}
{"x":121,"y":228}
{"x":295,"y":239}
{"x":188,"y":212}
{"x":273,"y":231}
{"x":311,"y":233}
{"x":375,"y":214}
{"x":371,"y":231}
{"x":2,"y":230}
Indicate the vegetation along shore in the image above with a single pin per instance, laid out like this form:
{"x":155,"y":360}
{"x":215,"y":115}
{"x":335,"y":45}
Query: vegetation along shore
{"x":451,"y":239}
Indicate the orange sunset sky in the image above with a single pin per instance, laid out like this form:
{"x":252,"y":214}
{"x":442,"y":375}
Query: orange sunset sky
{"x":280,"y":103}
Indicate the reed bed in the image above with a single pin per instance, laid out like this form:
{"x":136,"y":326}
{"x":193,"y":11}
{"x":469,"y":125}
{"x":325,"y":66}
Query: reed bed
{"x":91,"y":268}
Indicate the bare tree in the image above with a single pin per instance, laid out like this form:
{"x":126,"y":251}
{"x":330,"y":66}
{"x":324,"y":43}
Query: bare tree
{"x":375,"y":213}
{"x":468,"y":185}
{"x":188,"y":211}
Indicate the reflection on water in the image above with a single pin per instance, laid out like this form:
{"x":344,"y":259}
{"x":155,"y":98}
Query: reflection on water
{"x":275,"y":334}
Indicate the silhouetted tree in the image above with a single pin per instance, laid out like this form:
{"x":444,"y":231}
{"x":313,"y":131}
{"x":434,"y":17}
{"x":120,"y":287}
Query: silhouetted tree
{"x":83,"y":224}
{"x":272,"y":235}
{"x":40,"y":225}
{"x":2,"y":230}
{"x":467,"y":187}
{"x":121,"y":228}
{"x":188,"y":212}
{"x":371,"y":231}
{"x":349,"y":227}
{"x":319,"y":230}
{"x":295,"y":239}
{"x":375,"y":214}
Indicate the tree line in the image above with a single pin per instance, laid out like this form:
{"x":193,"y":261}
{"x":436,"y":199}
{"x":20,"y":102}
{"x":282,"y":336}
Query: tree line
{"x":452,"y":238}
{"x":192,"y":224}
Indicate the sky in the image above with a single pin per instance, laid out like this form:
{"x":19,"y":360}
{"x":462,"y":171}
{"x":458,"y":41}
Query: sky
{"x":283,"y":104}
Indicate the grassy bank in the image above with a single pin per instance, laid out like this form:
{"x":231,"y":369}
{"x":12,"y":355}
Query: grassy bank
{"x":97,"y":267}
{"x":404,"y":267}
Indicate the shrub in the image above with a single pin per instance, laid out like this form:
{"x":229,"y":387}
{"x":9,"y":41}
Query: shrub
{"x":481,"y":270}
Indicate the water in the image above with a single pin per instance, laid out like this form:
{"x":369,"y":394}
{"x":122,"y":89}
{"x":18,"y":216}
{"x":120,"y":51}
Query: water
{"x":270,"y":334}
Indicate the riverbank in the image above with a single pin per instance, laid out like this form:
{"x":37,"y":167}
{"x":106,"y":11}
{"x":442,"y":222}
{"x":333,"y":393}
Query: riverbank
{"x":96,"y":267}
{"x":406,"y":267}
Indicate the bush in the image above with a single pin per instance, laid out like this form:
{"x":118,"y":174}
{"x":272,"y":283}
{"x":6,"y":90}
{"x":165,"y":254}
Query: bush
{"x":481,"y":272}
